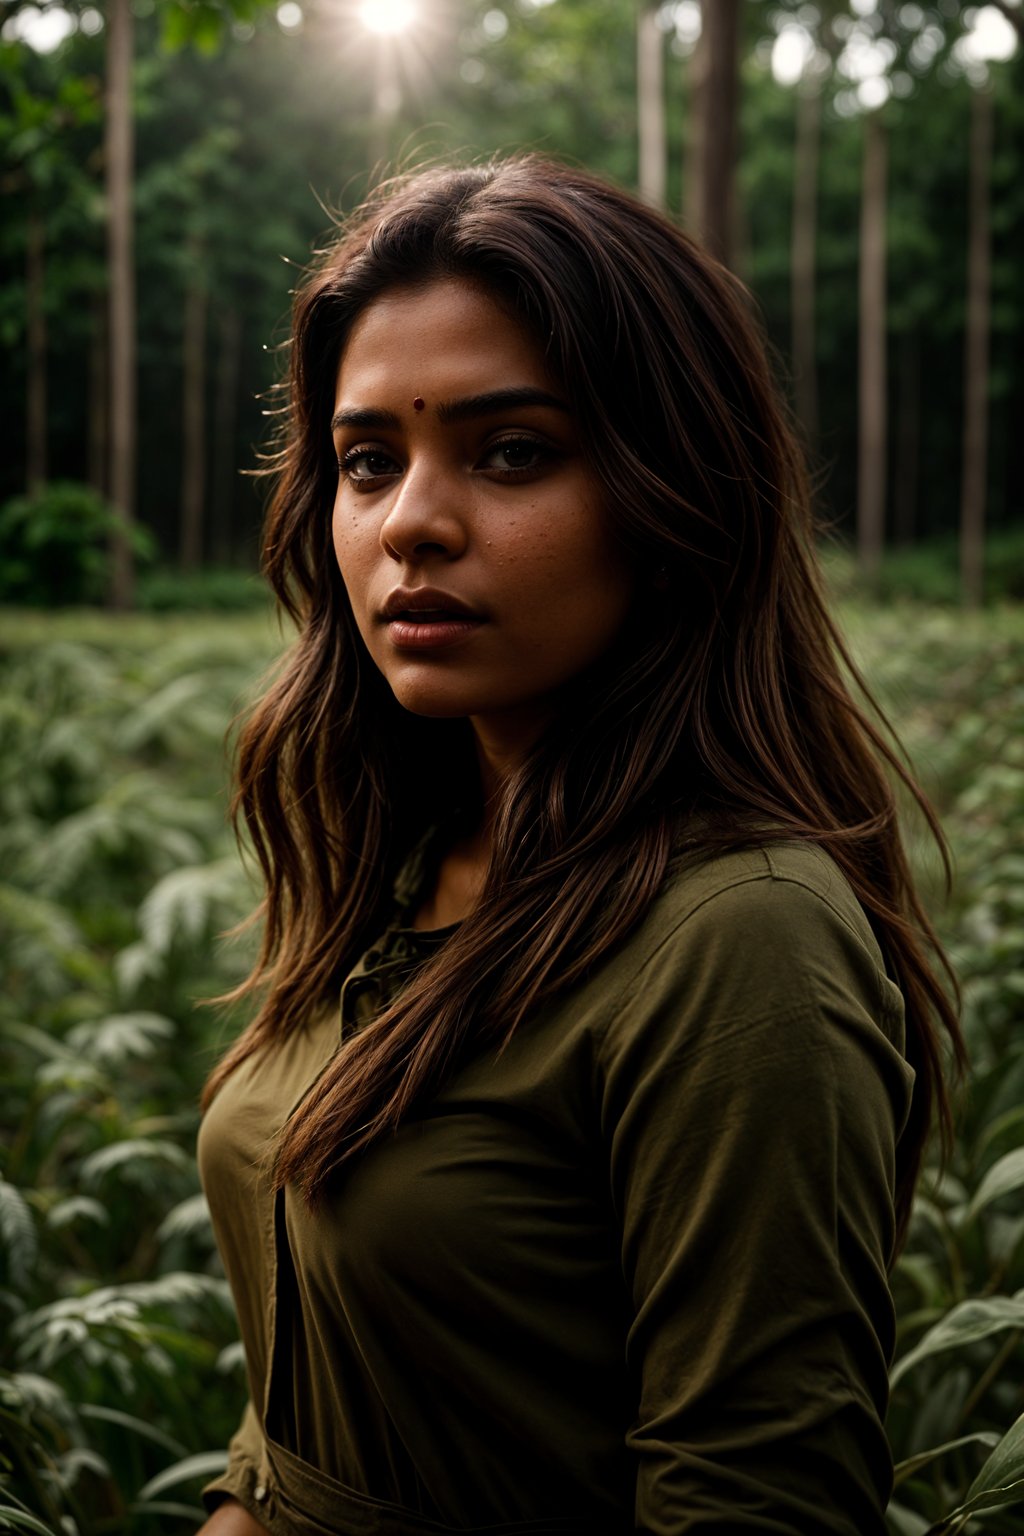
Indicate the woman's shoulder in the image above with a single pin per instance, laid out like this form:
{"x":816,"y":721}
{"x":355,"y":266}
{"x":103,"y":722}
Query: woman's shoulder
{"x":772,"y":891}
{"x":768,"y":929}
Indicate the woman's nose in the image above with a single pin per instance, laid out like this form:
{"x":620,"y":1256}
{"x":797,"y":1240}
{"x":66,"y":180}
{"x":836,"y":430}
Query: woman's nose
{"x":425,"y":517}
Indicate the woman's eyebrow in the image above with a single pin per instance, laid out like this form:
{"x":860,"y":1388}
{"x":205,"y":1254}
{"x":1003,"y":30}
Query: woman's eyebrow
{"x":464,"y":409}
{"x":496,"y":400}
{"x":367,"y":417}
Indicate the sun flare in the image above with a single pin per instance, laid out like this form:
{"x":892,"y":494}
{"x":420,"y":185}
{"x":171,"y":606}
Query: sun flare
{"x":387,"y":17}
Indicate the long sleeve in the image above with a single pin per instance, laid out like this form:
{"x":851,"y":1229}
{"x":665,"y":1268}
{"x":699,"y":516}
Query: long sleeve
{"x":753,"y":1089}
{"x":245,"y":1450}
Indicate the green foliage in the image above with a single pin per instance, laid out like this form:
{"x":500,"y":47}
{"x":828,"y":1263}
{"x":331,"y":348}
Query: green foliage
{"x":955,"y":685}
{"x":55,"y":543}
{"x":248,"y":132}
{"x":116,"y":1329}
{"x":929,"y":572}
{"x":168,"y":591}
{"x":122,"y":1379}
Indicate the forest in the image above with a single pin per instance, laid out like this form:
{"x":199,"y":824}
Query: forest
{"x":169,"y":167}
{"x":870,"y":234}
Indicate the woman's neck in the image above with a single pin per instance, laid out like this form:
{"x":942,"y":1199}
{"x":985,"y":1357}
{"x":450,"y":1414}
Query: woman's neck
{"x":458,"y":883}
{"x":462,"y":871}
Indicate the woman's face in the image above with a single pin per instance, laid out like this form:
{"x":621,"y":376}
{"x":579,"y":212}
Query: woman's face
{"x":469,"y":531}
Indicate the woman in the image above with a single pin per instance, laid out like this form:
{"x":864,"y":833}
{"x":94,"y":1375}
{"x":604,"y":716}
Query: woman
{"x":575,"y":1214}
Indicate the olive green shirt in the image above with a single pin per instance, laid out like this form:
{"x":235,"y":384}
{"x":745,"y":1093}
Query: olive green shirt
{"x":629,"y":1275}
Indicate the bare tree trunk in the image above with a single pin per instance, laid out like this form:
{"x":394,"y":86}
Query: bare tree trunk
{"x":693,"y":160}
{"x":803,"y":259}
{"x":908,"y":450}
{"x":35,"y":297}
{"x":99,"y":396}
{"x":650,"y":103}
{"x":193,"y":413}
{"x":719,"y":135}
{"x":229,"y":352}
{"x":120,"y":154}
{"x":872,"y":414}
{"x":976,"y":350}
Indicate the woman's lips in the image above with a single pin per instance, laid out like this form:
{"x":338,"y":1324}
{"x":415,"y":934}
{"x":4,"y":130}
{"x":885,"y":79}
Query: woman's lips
{"x":429,"y":631}
{"x":426,"y":619}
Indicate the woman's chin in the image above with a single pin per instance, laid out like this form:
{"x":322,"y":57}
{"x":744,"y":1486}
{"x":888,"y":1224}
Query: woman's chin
{"x":436,"y":703}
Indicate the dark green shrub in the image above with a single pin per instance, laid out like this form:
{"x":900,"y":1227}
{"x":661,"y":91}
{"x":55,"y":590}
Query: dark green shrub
{"x":930,"y":572}
{"x":54,"y":546}
{"x":216,"y":589}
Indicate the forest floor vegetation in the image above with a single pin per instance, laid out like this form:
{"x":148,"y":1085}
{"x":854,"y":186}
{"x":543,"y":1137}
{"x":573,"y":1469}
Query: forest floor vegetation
{"x":122,"y":1377}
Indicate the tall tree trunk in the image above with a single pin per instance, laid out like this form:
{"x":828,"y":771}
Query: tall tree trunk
{"x":35,"y":295}
{"x":803,"y":258}
{"x":650,"y":103}
{"x":693,"y":159}
{"x":229,"y":354}
{"x":99,"y":399}
{"x":871,"y":474}
{"x":979,"y":262}
{"x":908,"y":441}
{"x":720,"y":128}
{"x":193,"y":412}
{"x":120,"y":154}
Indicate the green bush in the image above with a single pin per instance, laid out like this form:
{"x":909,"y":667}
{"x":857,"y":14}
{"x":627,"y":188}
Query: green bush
{"x":930,"y":572}
{"x":55,"y":546}
{"x":214,"y":589}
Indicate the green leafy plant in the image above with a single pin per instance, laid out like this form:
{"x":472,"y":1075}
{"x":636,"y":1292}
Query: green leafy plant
{"x":123,"y":1376}
{"x":55,"y":542}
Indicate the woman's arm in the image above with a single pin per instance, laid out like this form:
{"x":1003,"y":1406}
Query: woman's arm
{"x":231,"y":1519}
{"x":229,"y":1516}
{"x":753,"y":1093}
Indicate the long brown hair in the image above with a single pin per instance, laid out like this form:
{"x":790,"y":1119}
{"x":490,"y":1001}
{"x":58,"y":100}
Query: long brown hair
{"x":724,"y":706}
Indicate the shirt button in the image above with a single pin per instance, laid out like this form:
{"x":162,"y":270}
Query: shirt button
{"x":260,"y":1492}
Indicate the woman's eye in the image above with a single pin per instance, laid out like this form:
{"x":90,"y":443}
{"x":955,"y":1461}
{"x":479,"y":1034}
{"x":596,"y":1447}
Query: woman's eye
{"x":362,"y":464}
{"x":516,"y":455}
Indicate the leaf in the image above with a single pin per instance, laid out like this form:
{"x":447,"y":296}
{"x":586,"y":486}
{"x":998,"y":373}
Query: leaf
{"x":904,"y":1522}
{"x":180,"y":909}
{"x":1009,"y":1120}
{"x":904,"y":1469}
{"x":204,"y":1464}
{"x":38,"y":1394}
{"x":97,"y":1325}
{"x":111,"y":1041}
{"x":191,"y":1512}
{"x":231,"y":1358}
{"x":148,"y":724}
{"x":77,"y":1208}
{"x":1004,"y":1469}
{"x":186,"y":1219}
{"x":176,"y":28}
{"x":993,"y":1498}
{"x":920,"y":1271}
{"x":121,"y":1155}
{"x":177,"y":1287}
{"x":135,"y":964}
{"x":1002,"y":1178}
{"x":36,"y":1039}
{"x":18,"y":1520}
{"x":137,"y":1426}
{"x":32,"y":918}
{"x":17,"y":1234}
{"x":966,"y":1323}
{"x":80,"y":1458}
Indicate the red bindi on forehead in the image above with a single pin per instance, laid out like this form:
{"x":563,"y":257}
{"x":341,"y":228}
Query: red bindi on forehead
{"x":418,"y":403}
